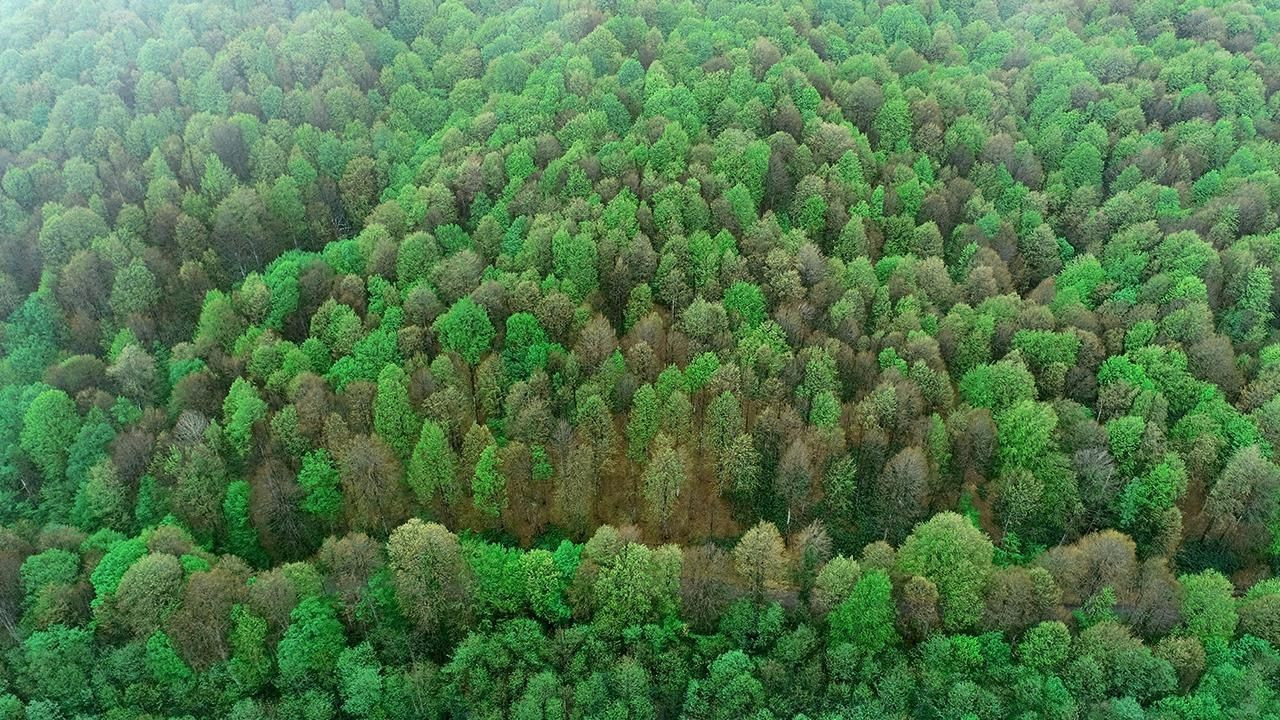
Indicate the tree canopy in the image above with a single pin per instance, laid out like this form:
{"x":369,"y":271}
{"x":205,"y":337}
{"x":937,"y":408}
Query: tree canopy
{"x":639,"y":359}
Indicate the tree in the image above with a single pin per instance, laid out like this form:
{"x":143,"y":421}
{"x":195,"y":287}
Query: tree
{"x":239,"y":233}
{"x":893,"y":123}
{"x":148,"y":593}
{"x":320,"y":481}
{"x":219,"y":323}
{"x":636,"y":585}
{"x":68,"y":231}
{"x":242,"y":538}
{"x":738,"y":469}
{"x":1208,"y":606}
{"x":87,"y":452}
{"x":918,"y":608}
{"x":250,"y":663}
{"x":488,"y":486}
{"x":200,"y":628}
{"x":760,"y":557}
{"x":730,"y":690}
{"x":723,"y":422}
{"x":58,"y":665}
{"x":1082,"y":166}
{"x":309,"y":651}
{"x":705,"y":585}
{"x":465,"y":329}
{"x":44,"y":573}
{"x":644,"y":422}
{"x":546,"y":580}
{"x":241,"y":410}
{"x":393,"y":417}
{"x":663,"y":479}
{"x":277,"y":277}
{"x":372,"y":492}
{"x":902,"y":490}
{"x":1242,"y":504}
{"x":574,"y":260}
{"x":998,"y":386}
{"x":794,"y":479}
{"x":840,"y":493}
{"x":433,"y":466}
{"x":1260,"y":611}
{"x":524,"y":345}
{"x":104,"y":499}
{"x":865,"y":619}
{"x":1046,"y":646}
{"x":744,"y":304}
{"x":134,"y":374}
{"x":487,"y":671}
{"x":431,"y":580}
{"x":49,"y":426}
{"x":358,"y":188}
{"x":169,"y":673}
{"x":956,"y":556}
{"x":360,"y":680}
{"x":134,"y":291}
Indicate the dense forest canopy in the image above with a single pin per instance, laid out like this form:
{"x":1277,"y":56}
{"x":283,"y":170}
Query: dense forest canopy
{"x":639,"y":359}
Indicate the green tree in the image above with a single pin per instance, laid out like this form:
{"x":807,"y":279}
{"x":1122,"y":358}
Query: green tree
{"x":663,"y":479}
{"x":49,"y":427}
{"x":360,"y":680}
{"x":309,"y":651}
{"x":393,"y":416}
{"x":319,"y":480}
{"x":148,"y":593}
{"x":1082,"y":166}
{"x":1046,"y":646}
{"x":170,"y":674}
{"x":58,"y":664}
{"x":242,"y":538}
{"x":250,"y":663}
{"x":956,"y":556}
{"x":865,"y":619}
{"x":488,"y":486}
{"x":744,"y":303}
{"x":574,"y":260}
{"x":241,"y":409}
{"x":524,"y":344}
{"x":643,"y":423}
{"x":104,"y":500}
{"x":893,"y":123}
{"x":433,"y":466}
{"x":730,"y":690}
{"x":545,"y":582}
{"x":134,"y":292}
{"x":466,"y":330}
{"x":1208,"y":606}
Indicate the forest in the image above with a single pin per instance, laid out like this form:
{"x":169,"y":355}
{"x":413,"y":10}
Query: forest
{"x":639,"y":359}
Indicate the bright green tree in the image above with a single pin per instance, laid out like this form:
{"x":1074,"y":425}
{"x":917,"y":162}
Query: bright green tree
{"x":956,"y":556}
{"x":488,"y":486}
{"x":308,"y":653}
{"x":393,"y":416}
{"x":466,"y":330}
{"x":320,"y":481}
{"x":433,"y":468}
{"x":49,"y":427}
{"x":241,"y":410}
{"x":865,"y":618}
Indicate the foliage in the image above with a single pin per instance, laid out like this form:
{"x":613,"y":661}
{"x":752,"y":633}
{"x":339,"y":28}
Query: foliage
{"x":435,"y":359}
